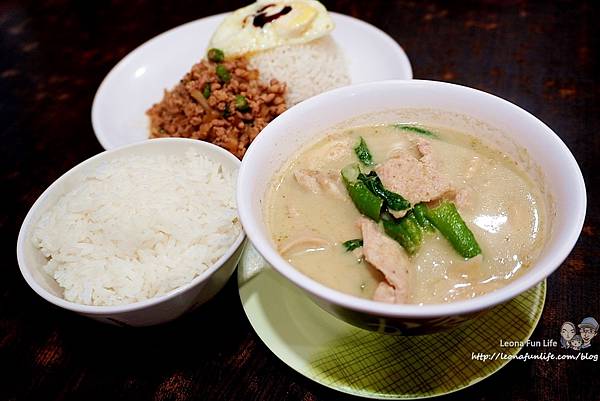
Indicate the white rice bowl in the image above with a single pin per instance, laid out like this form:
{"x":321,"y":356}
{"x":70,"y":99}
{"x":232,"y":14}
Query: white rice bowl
{"x":139,"y":227}
{"x":307,"y":69}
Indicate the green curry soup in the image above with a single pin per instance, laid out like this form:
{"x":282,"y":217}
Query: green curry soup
{"x":310,"y":214}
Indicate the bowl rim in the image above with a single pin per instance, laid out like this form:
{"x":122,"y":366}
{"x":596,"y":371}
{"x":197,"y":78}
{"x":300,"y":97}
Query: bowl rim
{"x":134,"y":306}
{"x":335,"y":297}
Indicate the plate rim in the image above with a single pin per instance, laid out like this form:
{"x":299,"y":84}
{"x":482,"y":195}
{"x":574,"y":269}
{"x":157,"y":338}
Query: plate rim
{"x":123,"y":62}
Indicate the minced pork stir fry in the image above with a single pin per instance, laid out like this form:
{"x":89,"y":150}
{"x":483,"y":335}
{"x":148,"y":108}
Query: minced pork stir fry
{"x":220,"y":101}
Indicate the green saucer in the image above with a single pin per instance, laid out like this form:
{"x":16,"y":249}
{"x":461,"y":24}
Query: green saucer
{"x":358,"y":362}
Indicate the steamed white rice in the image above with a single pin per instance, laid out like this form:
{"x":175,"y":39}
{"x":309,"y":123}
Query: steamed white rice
{"x":139,"y":227}
{"x":308,"y":69}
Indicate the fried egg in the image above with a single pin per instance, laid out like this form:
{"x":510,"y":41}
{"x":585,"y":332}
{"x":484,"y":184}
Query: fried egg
{"x":267,"y":24}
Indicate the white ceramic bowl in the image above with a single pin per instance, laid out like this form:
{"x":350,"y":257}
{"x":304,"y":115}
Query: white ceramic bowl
{"x":138,"y":81}
{"x":493,"y":119}
{"x":144,"y":313}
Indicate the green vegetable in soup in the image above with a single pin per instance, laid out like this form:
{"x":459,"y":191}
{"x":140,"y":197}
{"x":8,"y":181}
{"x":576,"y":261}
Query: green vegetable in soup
{"x":406,"y":231}
{"x":363,"y":153}
{"x":352,"y":244}
{"x":419,"y":211}
{"x":448,"y":221}
{"x":393,"y":201}
{"x":216,"y":55}
{"x":416,"y":130}
{"x":365,"y":201}
{"x":398,"y":232}
{"x":412,"y":227}
{"x":223,"y":73}
{"x":351,"y":172}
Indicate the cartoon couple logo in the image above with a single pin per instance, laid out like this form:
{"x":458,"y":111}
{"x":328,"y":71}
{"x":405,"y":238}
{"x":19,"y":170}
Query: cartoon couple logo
{"x":588,"y":328}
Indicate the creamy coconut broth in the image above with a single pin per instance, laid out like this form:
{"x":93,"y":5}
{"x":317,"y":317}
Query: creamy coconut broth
{"x":310,"y":215}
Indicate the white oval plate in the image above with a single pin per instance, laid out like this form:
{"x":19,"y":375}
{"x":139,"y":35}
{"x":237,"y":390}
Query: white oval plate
{"x":138,"y":81}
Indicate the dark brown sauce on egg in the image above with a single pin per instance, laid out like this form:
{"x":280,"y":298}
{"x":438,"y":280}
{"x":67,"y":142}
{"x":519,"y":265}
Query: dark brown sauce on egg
{"x":261,"y":18}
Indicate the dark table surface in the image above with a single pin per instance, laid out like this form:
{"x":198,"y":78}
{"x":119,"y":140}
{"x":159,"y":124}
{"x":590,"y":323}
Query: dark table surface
{"x":54,"y":54}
